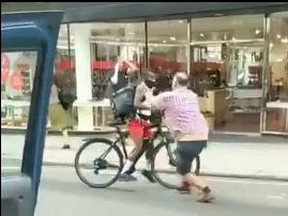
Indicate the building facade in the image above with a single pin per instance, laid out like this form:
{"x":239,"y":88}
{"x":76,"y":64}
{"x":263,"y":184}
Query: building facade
{"x":236,"y":56}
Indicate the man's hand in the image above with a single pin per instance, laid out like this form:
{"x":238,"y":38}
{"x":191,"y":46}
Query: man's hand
{"x":155,"y":92}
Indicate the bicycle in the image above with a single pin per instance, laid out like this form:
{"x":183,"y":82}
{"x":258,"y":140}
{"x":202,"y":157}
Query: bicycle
{"x":100,"y":164}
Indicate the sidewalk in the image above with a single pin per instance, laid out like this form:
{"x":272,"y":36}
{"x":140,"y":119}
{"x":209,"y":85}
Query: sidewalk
{"x":230,"y":157}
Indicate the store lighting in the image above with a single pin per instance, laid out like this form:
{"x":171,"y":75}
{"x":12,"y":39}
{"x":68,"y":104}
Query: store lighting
{"x":233,"y":38}
{"x":164,"y":41}
{"x":181,"y":21}
{"x":257,"y":31}
{"x":131,"y":33}
{"x":284,"y":40}
{"x":173,"y":38}
{"x":117,"y":39}
{"x":202,"y":35}
{"x":218,"y":14}
{"x":271,"y":46}
{"x":278,"y":36}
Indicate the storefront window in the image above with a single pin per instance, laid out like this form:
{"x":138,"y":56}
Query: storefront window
{"x":65,"y":59}
{"x":277,"y":107}
{"x":111,"y":43}
{"x":17,"y":78}
{"x":226,"y":69}
{"x":167,"y":45}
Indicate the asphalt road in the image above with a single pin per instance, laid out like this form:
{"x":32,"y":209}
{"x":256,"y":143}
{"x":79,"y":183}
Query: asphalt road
{"x":62,"y":194}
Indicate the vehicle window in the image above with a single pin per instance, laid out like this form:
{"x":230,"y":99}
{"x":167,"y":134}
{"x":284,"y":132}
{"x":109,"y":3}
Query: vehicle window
{"x":17,"y":75}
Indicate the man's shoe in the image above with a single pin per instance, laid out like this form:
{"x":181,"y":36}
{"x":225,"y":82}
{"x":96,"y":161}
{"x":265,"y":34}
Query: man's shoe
{"x":205,"y":195}
{"x":147,"y":174}
{"x":66,"y":146}
{"x":125,"y":178}
{"x":185,"y":188}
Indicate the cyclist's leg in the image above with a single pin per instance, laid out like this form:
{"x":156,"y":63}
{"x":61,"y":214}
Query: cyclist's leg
{"x":136,"y":134}
{"x":132,"y":168}
{"x":149,"y":151}
{"x":149,"y":148}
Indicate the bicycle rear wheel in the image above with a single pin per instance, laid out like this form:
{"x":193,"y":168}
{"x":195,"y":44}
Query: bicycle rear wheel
{"x":164,"y":165}
{"x":98,"y":163}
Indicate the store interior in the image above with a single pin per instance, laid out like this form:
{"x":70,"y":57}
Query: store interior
{"x":224,"y":57}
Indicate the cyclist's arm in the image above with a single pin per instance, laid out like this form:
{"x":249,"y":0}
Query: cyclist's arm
{"x":114,"y":78}
{"x":132,"y":66}
{"x":157,"y":102}
{"x":139,"y":98}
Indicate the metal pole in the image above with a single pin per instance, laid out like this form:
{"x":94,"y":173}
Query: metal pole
{"x":69,"y":46}
{"x":146,"y":46}
{"x":188,"y":46}
{"x":266,"y":73}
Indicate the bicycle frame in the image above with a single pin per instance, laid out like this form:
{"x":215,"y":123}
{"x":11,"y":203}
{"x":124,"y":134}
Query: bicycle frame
{"x":122,"y":136}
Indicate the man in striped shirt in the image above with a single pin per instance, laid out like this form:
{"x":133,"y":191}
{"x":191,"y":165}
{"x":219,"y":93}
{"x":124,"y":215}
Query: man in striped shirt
{"x":184,"y":118}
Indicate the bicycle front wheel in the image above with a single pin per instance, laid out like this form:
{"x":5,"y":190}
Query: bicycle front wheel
{"x":98,"y":163}
{"x":164,"y":165}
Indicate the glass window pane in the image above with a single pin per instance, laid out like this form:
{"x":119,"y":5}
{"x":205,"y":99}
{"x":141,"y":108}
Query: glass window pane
{"x":167,"y":45}
{"x":227,"y":57}
{"x":227,"y":28}
{"x":277,"y":107}
{"x":17,"y":76}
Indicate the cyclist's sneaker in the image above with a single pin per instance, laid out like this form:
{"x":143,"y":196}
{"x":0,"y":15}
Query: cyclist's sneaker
{"x":125,"y":177}
{"x":147,"y":174}
{"x":131,"y":170}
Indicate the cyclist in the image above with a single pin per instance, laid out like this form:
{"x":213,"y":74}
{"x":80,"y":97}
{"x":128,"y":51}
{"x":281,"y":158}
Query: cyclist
{"x":129,"y":77}
{"x":139,"y":129}
{"x":183,"y":117}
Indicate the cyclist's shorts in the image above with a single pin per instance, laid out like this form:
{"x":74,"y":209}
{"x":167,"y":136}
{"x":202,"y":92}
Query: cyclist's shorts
{"x":139,"y":128}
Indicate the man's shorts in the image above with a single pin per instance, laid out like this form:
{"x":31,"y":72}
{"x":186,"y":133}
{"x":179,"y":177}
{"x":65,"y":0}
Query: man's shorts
{"x":139,"y":128}
{"x":187,"y":151}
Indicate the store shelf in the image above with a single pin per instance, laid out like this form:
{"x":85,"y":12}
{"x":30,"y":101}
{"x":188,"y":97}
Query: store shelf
{"x":101,"y":103}
{"x":280,"y":105}
{"x":5,"y":103}
{"x":245,"y":112}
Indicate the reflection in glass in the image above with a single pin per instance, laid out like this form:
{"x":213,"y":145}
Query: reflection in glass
{"x":167,"y":42}
{"x":226,"y":69}
{"x":17,"y":77}
{"x":277,"y":105}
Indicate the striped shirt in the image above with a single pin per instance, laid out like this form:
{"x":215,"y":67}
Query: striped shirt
{"x":182,"y":112}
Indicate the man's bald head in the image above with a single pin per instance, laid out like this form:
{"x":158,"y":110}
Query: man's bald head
{"x":180,"y":80}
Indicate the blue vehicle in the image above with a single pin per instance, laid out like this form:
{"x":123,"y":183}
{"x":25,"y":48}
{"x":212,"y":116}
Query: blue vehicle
{"x":36,"y":33}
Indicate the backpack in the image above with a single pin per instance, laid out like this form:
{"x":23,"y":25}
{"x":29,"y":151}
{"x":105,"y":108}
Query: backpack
{"x":66,"y":98}
{"x":122,"y":103}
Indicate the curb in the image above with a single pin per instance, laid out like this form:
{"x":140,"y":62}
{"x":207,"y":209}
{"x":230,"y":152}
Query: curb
{"x":215,"y":136}
{"x":213,"y":174}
